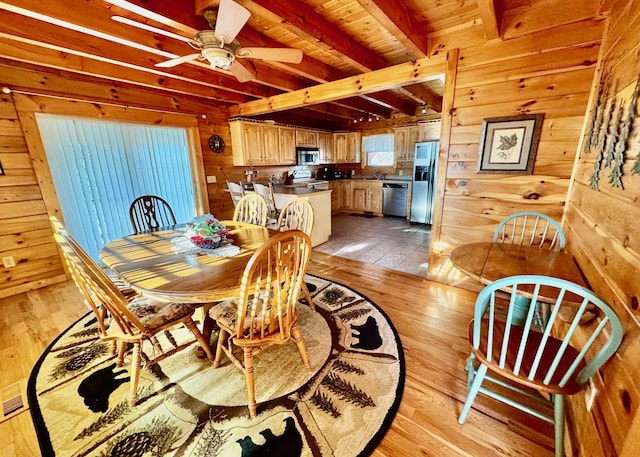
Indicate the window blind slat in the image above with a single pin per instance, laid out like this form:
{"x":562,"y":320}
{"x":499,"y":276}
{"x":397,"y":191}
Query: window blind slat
{"x":100,"y":167}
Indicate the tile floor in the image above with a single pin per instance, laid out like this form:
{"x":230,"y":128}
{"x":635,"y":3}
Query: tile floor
{"x":391,"y":242}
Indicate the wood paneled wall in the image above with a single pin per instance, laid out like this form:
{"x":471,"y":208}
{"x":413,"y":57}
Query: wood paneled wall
{"x":25,"y":232}
{"x":601,"y":227}
{"x":549,"y":71}
{"x":27,"y":194}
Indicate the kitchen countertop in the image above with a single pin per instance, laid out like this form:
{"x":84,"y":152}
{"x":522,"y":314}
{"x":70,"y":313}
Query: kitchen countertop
{"x":384,"y":178}
{"x":296,"y":190}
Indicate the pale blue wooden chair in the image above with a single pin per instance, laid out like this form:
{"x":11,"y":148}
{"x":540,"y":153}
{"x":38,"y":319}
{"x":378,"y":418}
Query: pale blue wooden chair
{"x":532,"y":229}
{"x":557,"y":360}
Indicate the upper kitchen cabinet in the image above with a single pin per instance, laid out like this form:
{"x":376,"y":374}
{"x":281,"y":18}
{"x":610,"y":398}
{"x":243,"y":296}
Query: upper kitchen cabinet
{"x":405,"y":142}
{"x":325,"y":145}
{"x":306,"y":137}
{"x":254,"y":143}
{"x":287,"y":145}
{"x":346,"y":147}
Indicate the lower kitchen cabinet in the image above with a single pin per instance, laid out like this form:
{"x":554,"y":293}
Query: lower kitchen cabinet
{"x":336,"y":196}
{"x":363,"y":197}
{"x":321,"y":203}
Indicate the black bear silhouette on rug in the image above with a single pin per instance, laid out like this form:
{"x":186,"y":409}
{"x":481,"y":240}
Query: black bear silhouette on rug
{"x":97,"y":387}
{"x":288,"y":444}
{"x":368,"y":335}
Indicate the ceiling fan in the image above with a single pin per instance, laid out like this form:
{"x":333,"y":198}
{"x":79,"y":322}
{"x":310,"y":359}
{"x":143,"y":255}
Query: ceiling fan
{"x":220,"y":48}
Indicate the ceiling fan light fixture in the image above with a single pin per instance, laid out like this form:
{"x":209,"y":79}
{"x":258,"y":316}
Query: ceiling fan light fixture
{"x":218,"y":57}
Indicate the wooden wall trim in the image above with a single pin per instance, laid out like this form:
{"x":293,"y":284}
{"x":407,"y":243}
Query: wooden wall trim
{"x":434,"y":269}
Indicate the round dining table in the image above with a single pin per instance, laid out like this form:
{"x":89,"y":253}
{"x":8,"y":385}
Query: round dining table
{"x":151,"y":264}
{"x":487,"y":262}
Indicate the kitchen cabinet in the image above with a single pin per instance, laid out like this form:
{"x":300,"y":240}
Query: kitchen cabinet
{"x":405,"y":142}
{"x":320,"y":201}
{"x":336,"y":196}
{"x":346,"y":199}
{"x":346,"y":147}
{"x":362,"y":196}
{"x":254,"y":143}
{"x":306,"y":137}
{"x":367,"y":197}
{"x":325,"y":145}
{"x":287,"y":145}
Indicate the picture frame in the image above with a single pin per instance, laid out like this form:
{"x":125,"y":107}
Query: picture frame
{"x":509,"y":144}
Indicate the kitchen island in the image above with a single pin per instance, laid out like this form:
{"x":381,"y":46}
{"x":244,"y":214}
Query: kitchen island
{"x":320,"y":200}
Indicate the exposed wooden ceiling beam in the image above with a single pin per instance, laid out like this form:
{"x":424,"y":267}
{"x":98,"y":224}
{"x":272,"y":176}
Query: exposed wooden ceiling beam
{"x":308,"y":68}
{"x":304,"y":21}
{"x":108,"y":47}
{"x":491,"y":16}
{"x":400,"y":21}
{"x":425,"y":96}
{"x":389,"y":100}
{"x":387,"y":78}
{"x":19,"y":51}
{"x":63,"y":84}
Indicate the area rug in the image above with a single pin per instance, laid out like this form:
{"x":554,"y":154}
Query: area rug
{"x":186,"y":407}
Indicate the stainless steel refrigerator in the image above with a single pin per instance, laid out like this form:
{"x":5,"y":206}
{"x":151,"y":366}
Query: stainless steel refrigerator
{"x":425,"y":163}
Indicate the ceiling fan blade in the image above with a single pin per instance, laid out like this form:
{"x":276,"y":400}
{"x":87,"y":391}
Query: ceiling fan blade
{"x":231,"y":18}
{"x":177,"y":61}
{"x":290,"y":55}
{"x":241,"y":72}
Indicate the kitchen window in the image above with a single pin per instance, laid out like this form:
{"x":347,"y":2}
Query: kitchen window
{"x":379,"y":149}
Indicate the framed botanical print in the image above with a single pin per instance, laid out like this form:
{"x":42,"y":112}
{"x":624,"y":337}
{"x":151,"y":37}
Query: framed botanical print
{"x":509,"y":144}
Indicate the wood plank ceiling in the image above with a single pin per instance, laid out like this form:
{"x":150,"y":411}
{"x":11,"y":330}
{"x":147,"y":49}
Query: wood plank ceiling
{"x":340,"y":39}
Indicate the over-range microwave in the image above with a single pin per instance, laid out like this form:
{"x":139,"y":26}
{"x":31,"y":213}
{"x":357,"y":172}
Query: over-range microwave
{"x":307,"y":155}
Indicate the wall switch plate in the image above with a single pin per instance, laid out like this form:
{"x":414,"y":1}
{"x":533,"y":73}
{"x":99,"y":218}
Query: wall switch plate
{"x":590,"y":394}
{"x":8,"y":262}
{"x":211,"y":179}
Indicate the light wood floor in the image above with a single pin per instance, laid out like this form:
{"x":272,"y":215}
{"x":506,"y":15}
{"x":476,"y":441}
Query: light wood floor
{"x":430,"y":318}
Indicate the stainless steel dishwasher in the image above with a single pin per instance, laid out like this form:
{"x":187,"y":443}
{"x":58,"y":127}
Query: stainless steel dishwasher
{"x":394,"y":199}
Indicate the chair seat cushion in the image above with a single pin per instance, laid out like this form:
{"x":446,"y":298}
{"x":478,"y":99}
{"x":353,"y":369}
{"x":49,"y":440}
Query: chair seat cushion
{"x":533,"y":341}
{"x":154,"y":314}
{"x":226,"y":315}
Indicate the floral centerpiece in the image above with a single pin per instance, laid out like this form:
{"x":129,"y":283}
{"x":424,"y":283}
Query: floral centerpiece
{"x":206,"y":232}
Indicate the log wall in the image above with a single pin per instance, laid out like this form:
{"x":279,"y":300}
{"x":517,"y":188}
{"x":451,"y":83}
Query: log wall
{"x":27,"y":194}
{"x":554,"y":72}
{"x":601,"y":227}
{"x":549,"y":71}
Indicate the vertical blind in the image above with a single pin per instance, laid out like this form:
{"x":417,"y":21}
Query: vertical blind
{"x":100,"y":167}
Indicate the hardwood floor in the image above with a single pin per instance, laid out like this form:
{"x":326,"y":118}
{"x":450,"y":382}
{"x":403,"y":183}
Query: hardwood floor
{"x":430,"y":318}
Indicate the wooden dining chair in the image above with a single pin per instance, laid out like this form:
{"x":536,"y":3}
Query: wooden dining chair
{"x":532,"y":229}
{"x":298,"y":214}
{"x":236,"y":191}
{"x":265,"y":313}
{"x":266,"y":192}
{"x":150,"y":212}
{"x":121,"y":284}
{"x":251,"y":209}
{"x":125,"y":321}
{"x":525,"y":360}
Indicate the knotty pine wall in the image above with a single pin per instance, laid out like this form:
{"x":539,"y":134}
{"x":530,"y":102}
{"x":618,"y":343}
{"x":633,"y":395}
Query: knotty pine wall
{"x":27,"y":195}
{"x":602,"y":233}
{"x":550,"y":72}
{"x":553,"y":72}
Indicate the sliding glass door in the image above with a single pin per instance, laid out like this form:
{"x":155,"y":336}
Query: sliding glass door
{"x":100,"y":167}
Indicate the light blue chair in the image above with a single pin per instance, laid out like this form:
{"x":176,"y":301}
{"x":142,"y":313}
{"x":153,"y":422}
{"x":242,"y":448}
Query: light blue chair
{"x":531,"y":229}
{"x":557,"y":360}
